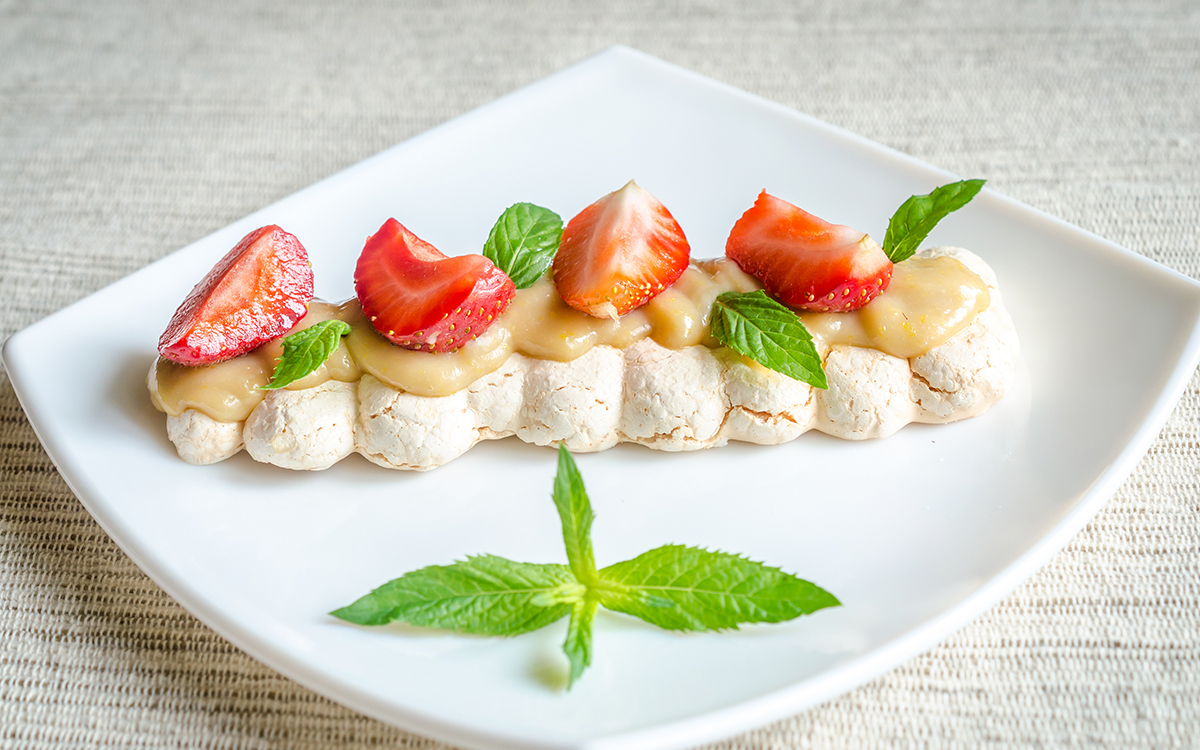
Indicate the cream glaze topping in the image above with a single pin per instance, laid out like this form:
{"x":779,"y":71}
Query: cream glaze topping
{"x":927,"y":302}
{"x":227,"y":391}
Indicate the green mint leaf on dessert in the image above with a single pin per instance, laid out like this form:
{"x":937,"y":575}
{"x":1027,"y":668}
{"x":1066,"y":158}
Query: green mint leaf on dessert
{"x":523,"y":242}
{"x":578,"y":645}
{"x":305,"y":351}
{"x":484,"y":595}
{"x":769,"y":333}
{"x":575,"y":512}
{"x":673,"y":587}
{"x":917,"y":217}
{"x":687,"y":588}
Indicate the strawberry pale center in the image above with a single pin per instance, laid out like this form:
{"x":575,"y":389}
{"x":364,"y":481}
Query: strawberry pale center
{"x":929,"y":300}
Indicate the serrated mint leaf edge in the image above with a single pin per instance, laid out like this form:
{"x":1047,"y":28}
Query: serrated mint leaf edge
{"x":578,"y":643}
{"x":575,"y":513}
{"x":904,"y":235}
{"x":739,"y":319}
{"x":558,"y":591}
{"x":621,"y":596}
{"x":524,"y":253}
{"x":324,"y":335}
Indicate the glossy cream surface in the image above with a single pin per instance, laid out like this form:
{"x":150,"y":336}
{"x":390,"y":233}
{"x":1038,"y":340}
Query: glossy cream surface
{"x":927,"y":302}
{"x":228,"y":391}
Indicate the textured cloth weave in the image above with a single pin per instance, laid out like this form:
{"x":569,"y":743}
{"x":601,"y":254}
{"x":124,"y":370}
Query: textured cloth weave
{"x":129,"y":129}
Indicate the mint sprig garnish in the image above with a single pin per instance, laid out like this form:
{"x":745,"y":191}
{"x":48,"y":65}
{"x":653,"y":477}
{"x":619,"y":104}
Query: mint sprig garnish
{"x":674,"y":587}
{"x":575,"y":512}
{"x":918,"y":215}
{"x":578,"y":645}
{"x":686,"y":588}
{"x":523,"y":242}
{"x":766,"y":331}
{"x":305,"y":351}
{"x":482,"y":595}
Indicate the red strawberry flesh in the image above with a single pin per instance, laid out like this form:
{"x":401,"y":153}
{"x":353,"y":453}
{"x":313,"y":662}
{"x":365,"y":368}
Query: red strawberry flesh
{"x":418,"y":298}
{"x":257,"y":292}
{"x":806,"y":262}
{"x":618,"y":253}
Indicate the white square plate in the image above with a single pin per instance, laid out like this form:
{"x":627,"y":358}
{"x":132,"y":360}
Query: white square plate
{"x":916,"y":534}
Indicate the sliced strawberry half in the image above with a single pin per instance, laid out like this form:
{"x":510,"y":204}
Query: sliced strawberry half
{"x":420,"y":299}
{"x":257,"y":292}
{"x":806,"y":262}
{"x":618,"y":253}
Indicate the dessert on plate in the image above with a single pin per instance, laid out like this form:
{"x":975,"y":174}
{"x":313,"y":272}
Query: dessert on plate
{"x":601,"y":332}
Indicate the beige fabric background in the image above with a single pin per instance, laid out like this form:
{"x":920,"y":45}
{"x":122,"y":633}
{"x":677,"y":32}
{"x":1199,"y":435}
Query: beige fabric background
{"x":129,"y":129}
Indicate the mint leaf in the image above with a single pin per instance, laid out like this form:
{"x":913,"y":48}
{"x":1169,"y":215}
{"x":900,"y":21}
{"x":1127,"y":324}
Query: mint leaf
{"x":578,"y":645}
{"x":305,"y":351}
{"x":769,"y":333}
{"x":523,"y":242}
{"x":575,"y":512}
{"x":687,"y":588}
{"x":483,"y":595}
{"x":673,"y":587}
{"x":918,"y":215}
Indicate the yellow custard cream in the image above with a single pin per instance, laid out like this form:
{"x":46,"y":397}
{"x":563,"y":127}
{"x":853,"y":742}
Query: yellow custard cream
{"x":928,"y":301}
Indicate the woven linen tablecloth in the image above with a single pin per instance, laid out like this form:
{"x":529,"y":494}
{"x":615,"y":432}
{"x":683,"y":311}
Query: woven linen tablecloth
{"x":129,"y":129}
